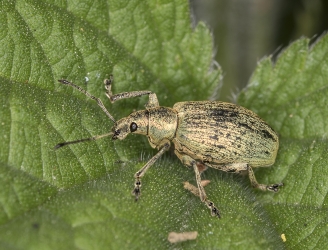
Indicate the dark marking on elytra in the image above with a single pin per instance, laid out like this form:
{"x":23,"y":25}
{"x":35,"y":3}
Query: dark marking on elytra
{"x":245,"y":126}
{"x":224,"y":113}
{"x":214,"y":137}
{"x":266,"y":134}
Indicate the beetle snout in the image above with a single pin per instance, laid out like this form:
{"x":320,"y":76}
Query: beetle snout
{"x":116,"y":133}
{"x":120,"y":131}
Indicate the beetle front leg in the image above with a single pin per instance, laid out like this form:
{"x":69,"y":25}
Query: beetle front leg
{"x":152,"y":103}
{"x":137,"y":184}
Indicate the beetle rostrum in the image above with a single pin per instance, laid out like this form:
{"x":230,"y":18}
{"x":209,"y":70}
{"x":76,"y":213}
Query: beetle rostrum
{"x":211,"y":134}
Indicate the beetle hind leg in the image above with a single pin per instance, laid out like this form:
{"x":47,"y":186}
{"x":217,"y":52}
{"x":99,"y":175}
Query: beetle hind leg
{"x":240,"y":167}
{"x":264,"y":187}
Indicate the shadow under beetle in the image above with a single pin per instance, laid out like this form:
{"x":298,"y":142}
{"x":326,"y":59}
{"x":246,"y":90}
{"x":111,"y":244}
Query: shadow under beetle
{"x":213,"y":134}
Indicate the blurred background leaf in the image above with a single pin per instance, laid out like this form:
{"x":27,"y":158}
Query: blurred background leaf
{"x":245,"y":31}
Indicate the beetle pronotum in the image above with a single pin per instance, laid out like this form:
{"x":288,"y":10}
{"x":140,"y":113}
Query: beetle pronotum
{"x":214,"y":134}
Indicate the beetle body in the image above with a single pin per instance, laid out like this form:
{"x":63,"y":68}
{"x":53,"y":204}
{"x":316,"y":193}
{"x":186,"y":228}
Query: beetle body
{"x":215,"y":134}
{"x":211,"y":132}
{"x":221,"y":133}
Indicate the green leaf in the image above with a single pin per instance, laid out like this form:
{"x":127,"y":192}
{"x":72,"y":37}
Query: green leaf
{"x":79,"y":197}
{"x":292,"y":95}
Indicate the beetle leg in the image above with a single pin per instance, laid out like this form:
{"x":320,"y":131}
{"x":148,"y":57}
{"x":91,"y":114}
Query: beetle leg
{"x":195,"y":191}
{"x":202,"y":194}
{"x":99,"y":102}
{"x":239,"y":167}
{"x":188,"y":161}
{"x":137,"y":184}
{"x":152,"y":103}
{"x":255,"y":184}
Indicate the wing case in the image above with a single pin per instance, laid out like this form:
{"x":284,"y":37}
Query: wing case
{"x":223,"y":133}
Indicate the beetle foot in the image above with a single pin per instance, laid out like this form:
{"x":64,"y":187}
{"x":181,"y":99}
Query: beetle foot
{"x":108,"y":82}
{"x":274,"y":187}
{"x":136,"y":191}
{"x":214,"y":210}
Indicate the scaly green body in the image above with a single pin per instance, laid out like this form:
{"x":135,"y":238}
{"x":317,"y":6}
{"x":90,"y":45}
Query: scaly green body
{"x":221,"y":133}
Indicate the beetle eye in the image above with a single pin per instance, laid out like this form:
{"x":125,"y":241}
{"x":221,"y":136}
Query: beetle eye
{"x":133,"y":127}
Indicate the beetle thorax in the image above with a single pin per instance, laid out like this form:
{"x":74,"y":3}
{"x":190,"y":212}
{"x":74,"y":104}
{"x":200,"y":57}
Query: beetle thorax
{"x":162,"y":125}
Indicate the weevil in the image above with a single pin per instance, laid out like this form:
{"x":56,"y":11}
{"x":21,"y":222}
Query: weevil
{"x":213,"y":134}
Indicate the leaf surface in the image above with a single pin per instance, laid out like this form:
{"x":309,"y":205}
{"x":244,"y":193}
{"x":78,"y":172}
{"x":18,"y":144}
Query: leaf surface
{"x":79,"y":197}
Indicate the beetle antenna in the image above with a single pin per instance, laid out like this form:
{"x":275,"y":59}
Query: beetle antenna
{"x":99,"y":102}
{"x":62,"y":144}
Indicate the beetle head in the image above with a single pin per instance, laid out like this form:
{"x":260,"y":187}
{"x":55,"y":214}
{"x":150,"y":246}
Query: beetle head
{"x":137,"y":123}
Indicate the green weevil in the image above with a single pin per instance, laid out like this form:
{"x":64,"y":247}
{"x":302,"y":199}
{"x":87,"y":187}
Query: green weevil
{"x":213,"y":134}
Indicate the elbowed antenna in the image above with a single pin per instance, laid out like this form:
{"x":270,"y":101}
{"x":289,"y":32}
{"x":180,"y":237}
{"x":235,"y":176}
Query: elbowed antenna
{"x":62,"y":144}
{"x":99,"y":102}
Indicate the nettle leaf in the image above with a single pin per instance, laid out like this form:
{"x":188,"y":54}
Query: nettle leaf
{"x":292,"y":95}
{"x":80,"y":196}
